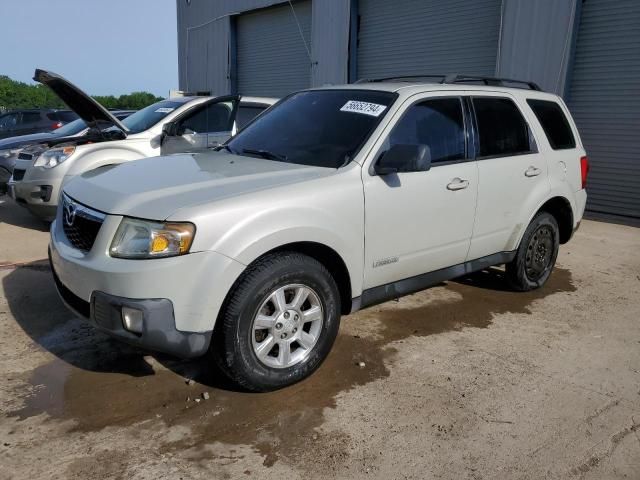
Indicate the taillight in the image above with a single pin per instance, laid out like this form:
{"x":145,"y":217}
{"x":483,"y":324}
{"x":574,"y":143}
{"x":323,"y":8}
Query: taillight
{"x":584,"y":170}
{"x":56,"y":125}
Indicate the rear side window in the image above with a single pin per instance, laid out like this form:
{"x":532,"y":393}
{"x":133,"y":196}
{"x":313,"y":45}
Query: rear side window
{"x":67,"y":116}
{"x":246,"y":114}
{"x":554,"y":123}
{"x":30,"y":117}
{"x":437,"y":123}
{"x":502,"y":129}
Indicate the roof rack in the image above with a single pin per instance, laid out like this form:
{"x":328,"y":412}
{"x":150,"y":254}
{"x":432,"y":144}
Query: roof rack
{"x":456,"y":78}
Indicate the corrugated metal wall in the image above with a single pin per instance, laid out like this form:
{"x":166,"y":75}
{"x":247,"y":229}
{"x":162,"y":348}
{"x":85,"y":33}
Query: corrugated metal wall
{"x":536,"y":41}
{"x":272,"y":58}
{"x":605,"y":103}
{"x":406,"y":37}
{"x":208,"y":66}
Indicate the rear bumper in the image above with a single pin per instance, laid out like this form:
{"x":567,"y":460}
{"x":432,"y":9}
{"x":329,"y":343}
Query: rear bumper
{"x":159,"y":333}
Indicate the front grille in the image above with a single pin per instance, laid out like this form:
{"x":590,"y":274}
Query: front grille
{"x":25,"y":156}
{"x":81,"y":224}
{"x":18,"y":174}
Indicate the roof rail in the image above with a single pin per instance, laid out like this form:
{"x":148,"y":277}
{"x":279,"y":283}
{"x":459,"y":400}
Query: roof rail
{"x":456,"y":78}
{"x":403,"y":77}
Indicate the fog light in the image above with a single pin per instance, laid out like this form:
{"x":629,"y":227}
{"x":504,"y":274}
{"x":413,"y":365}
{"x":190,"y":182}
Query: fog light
{"x":132,"y":319}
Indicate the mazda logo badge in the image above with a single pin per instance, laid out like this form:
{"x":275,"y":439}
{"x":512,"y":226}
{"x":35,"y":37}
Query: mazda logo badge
{"x":69,"y":214}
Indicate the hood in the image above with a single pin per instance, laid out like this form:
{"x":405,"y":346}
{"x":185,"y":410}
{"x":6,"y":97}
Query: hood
{"x":155,"y":188}
{"x":24,"y":140}
{"x":86,"y":107}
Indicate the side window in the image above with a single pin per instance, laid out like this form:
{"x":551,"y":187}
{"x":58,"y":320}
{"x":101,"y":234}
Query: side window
{"x":8,"y":121}
{"x":215,"y":117}
{"x":437,"y":123}
{"x":246,"y":114}
{"x":30,"y":117}
{"x":502,"y":129}
{"x":554,"y":123}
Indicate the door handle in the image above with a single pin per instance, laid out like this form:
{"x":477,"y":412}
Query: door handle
{"x":532,"y":171}
{"x":458,"y":184}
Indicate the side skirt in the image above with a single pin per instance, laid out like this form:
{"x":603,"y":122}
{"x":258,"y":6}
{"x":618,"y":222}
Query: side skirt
{"x":407,"y":286}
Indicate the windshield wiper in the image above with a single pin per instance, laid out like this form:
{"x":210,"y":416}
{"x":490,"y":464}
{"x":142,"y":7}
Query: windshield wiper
{"x":224,"y":147}
{"x":265,"y":154}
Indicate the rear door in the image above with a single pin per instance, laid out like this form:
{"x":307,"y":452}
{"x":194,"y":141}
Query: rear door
{"x":33,"y":122}
{"x":512,"y":174}
{"x":204,"y":127}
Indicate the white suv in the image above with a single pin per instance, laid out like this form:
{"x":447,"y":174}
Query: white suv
{"x":335,"y":199}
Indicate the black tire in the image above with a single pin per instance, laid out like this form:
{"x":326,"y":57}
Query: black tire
{"x":536,"y":255}
{"x":5,"y":175}
{"x":232,"y":345}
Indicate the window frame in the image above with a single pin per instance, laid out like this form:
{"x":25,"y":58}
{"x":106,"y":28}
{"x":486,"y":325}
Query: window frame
{"x":533,"y":144}
{"x":469,"y":149}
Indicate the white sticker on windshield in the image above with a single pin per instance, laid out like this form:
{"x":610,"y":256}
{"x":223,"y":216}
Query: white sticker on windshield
{"x":164,"y":110}
{"x":365,"y":108}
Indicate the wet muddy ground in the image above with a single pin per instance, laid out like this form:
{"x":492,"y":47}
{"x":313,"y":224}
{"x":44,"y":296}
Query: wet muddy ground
{"x":465,"y":380}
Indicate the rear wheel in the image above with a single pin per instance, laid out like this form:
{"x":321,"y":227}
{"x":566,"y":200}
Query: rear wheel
{"x":536,"y":255}
{"x":279,"y":322}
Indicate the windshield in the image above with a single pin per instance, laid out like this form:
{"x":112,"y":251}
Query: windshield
{"x":71,"y":128}
{"x":149,"y":116}
{"x":323,"y":128}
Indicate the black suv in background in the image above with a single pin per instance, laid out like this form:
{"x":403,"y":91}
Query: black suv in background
{"x":23,"y":122}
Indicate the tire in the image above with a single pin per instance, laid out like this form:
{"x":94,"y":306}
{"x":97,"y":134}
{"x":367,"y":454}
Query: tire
{"x":536,"y":255}
{"x":263,"y":319}
{"x":5,"y":175}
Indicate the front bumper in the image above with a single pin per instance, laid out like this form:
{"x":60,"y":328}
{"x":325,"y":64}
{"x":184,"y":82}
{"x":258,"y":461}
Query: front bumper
{"x":179,"y":296}
{"x":39,"y":188}
{"x":159,"y":332}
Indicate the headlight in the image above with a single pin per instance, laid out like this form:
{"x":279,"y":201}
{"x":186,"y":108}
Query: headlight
{"x":53,"y":157}
{"x":9,"y":152}
{"x":145,"y":239}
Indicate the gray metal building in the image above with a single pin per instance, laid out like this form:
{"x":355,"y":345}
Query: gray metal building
{"x":588,"y":51}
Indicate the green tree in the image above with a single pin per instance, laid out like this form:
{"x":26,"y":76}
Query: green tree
{"x":14,"y":94}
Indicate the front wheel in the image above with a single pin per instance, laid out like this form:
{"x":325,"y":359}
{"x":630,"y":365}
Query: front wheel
{"x":536,"y":255}
{"x":279,"y":322}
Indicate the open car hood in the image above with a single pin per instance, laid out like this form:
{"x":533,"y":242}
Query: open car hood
{"x":86,"y":107}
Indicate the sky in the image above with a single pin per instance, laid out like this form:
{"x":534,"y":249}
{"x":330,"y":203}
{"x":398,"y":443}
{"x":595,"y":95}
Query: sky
{"x":105,"y":47}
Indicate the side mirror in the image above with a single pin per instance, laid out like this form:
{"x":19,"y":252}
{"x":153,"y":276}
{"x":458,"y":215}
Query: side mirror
{"x":404,"y":158}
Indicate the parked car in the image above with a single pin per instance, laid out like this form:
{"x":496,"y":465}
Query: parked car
{"x":184,"y":124}
{"x":35,"y":120}
{"x":11,"y":147}
{"x":335,"y":199}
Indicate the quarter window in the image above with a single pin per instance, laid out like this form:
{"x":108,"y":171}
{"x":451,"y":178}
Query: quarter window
{"x":437,"y":123}
{"x":554,"y":123}
{"x":501,"y":127}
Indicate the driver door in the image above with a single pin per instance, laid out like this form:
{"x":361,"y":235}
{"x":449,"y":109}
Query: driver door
{"x":419,"y":222}
{"x":207,"y":126}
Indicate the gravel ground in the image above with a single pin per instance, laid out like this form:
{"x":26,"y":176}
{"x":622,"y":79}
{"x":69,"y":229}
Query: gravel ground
{"x":465,"y":380}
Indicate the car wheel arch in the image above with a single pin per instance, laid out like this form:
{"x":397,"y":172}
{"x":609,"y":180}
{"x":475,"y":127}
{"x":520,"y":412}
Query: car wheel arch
{"x":327,"y":256}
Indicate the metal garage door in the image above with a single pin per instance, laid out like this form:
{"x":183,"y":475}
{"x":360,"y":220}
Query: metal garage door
{"x":405,"y":37}
{"x":605,"y":102}
{"x":271,"y":57}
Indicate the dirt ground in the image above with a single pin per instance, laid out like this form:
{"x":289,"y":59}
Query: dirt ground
{"x":464,"y":381}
